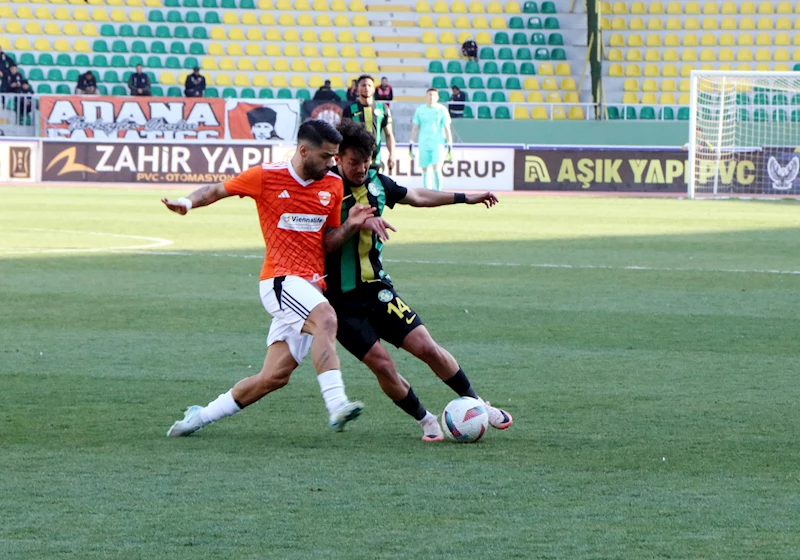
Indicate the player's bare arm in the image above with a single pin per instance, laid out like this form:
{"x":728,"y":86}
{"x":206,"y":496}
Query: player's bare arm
{"x":424,"y":198}
{"x":390,"y":145}
{"x":358,"y":218}
{"x":201,"y":197}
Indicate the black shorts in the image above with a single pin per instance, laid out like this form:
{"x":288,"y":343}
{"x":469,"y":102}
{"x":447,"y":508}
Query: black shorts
{"x":371,"y":312}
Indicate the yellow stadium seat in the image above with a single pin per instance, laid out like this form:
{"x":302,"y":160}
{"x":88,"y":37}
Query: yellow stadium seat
{"x":690,"y":40}
{"x":576,"y":114}
{"x":747,"y":24}
{"x":650,"y":85}
{"x":708,"y":55}
{"x":667,"y":99}
{"x":494,"y":8}
{"x":630,"y":98}
{"x":671,"y":55}
{"x":324,"y":20}
{"x":615,"y":70}
{"x":638,"y":8}
{"x":370,"y":67}
{"x":784,"y":8}
{"x":763,"y":67}
{"x":337,"y":82}
{"x":781,"y":67}
{"x":462,"y":22}
{"x":652,"y":55}
{"x":357,"y":6}
{"x":451,"y":53}
{"x":80,"y":14}
{"x":137,"y":16}
{"x":530,"y":84}
{"x":476,"y":8}
{"x":245,"y":64}
{"x":327,"y":36}
{"x":209,"y":63}
{"x":782,"y":40}
{"x":727,"y":40}
{"x":745,"y":40}
{"x":633,"y":55}
{"x":689,"y":55}
{"x":291,"y":51}
{"x":281,"y":65}
{"x":483,"y":38}
{"x":89,"y":30}
{"x":545,"y":69}
{"x":558,"y":113}
{"x":230,"y":18}
{"x":223,"y":80}
{"x":631,"y":85}
{"x":286,"y":20}
{"x":796,"y":40}
{"x":797,"y":23}
{"x":684,"y":99}
{"x":349,"y":51}
{"x":553,"y":97}
{"x":539,"y":113}
{"x":692,"y":24}
{"x":363,"y":37}
{"x":33,"y":28}
{"x":310,"y":51}
{"x":653,"y":40}
{"x":340,"y":21}
{"x":167,"y":78}
{"x":134,"y":3}
{"x":729,"y":8}
{"x":272,"y":50}
{"x":440,"y":8}
{"x":119,"y":16}
{"x":549,"y":84}
{"x":61,"y":14}
{"x":329,"y":51}
{"x":672,"y":40}
{"x":616,"y":40}
{"x":781,"y":55}
{"x":367,"y":52}
{"x":763,"y":55}
{"x":280,"y":5}
{"x":686,"y":70}
{"x":236,"y":34}
{"x":315,"y":81}
{"x":23,"y":44}
{"x":298,"y":82}
{"x":335,"y":66}
{"x":218,"y":34}
{"x":43,"y":13}
{"x":535,"y":97}
{"x":249,"y":18}
{"x":215,"y":49}
{"x":747,"y":8}
{"x":24,"y":12}
{"x":42,"y":45}
{"x":744,"y":55}
{"x":710,"y":24}
{"x":668,"y":85}
{"x":433,"y":53}
{"x":61,"y":45}
{"x":634,"y":40}
{"x":447,"y":38}
{"x":444,"y":22}
{"x":766,"y":8}
{"x":568,"y":84}
{"x":652,"y":70}
{"x":227,"y":64}
{"x":619,"y":24}
{"x":479,"y":22}
{"x":571,"y":97}
{"x":429,"y":38}
{"x":692,"y":8}
{"x":512,"y":8}
{"x":669,"y":70}
{"x":615,"y":54}
{"x":521,"y":113}
{"x":516,"y":97}
{"x":783,"y":23}
{"x":710,"y":9}
{"x":303,"y":5}
{"x":726,"y":55}
{"x":51,"y":29}
{"x":305,"y":20}
{"x":299,"y":65}
{"x":423,"y":8}
{"x":498,"y":23}
{"x":765,"y":24}
{"x":709,"y":40}
{"x":764,"y":40}
{"x":673,"y":24}
{"x":259,"y":80}
{"x":71,"y":30}
{"x":620,"y":8}
{"x":674,"y":8}
{"x":99,"y":15}
{"x":649,"y":99}
{"x":254,"y":34}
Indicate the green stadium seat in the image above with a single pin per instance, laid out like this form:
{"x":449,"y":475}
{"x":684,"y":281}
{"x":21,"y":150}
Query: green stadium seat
{"x":144,"y":31}
{"x":172,"y":4}
{"x":155,"y":16}
{"x":172,"y":62}
{"x":197,"y":49}
{"x":162,"y":32}
{"x":212,"y":18}
{"x":527,"y":69}
{"x":120,"y":90}
{"x":135,"y":59}
{"x":548,"y":7}
{"x":199,"y":33}
{"x":780,"y":99}
{"x":249,"y":93}
{"x":190,"y":62}
{"x":126,"y":30}
{"x":513,"y":83}
{"x":119,"y":46}
{"x":454,"y":67}
{"x":558,"y":54}
{"x":266,"y":93}
{"x":139,"y":47}
{"x":303,"y":95}
{"x":524,"y":53}
{"x":519,"y":39}
{"x":99,"y":61}
{"x":247,"y":5}
{"x":509,"y":68}
{"x":468,"y":113}
{"x":498,"y":97}
{"x":107,"y":30}
{"x":100,"y":46}
{"x":505,"y":53}
{"x":683,"y":114}
{"x":466,"y":95}
{"x":36,"y":74}
{"x":551,"y":23}
{"x":516,"y":23}
{"x":229,"y":93}
{"x":191,"y":4}
{"x":63,"y":89}
{"x":174,"y":16}
{"x":458,"y":81}
{"x":741,"y":115}
{"x":111,"y":77}
{"x":487,"y":53}
{"x":530,"y":8}
{"x":228,"y":4}
{"x":760,"y":115}
{"x":284,"y":93}
{"x":612,"y":113}
{"x":490,"y":68}
{"x":480,"y":97}
{"x":484,"y":112}
{"x":541,"y":54}
{"x":666,"y":114}
{"x":64,"y":59}
{"x":742,"y":98}
{"x":796,"y":99}
{"x":494,"y":83}
{"x":157,"y":91}
{"x":501,"y":38}
{"x":647,"y":114}
{"x":444,"y":96}
{"x":176,"y":47}
{"x":797,"y":67}
{"x":555,"y":40}
{"x":761,"y":99}
{"x":150,"y":75}
{"x":82,"y":60}
{"x":27,"y":59}
{"x":779,"y":115}
{"x":44,"y":88}
{"x":174,"y":91}
{"x":502,"y":112}
{"x":472,"y":67}
{"x":436,"y":67}
{"x":439,"y":82}
{"x":630,"y":113}
{"x":154,"y":62}
{"x":537,"y":39}
{"x":211,"y":92}
{"x":100,"y":87}
{"x":211,"y":4}
{"x":118,"y":61}
{"x":534,"y":22}
{"x":476,"y":82}
{"x":796,"y":115}
{"x":193,"y":18}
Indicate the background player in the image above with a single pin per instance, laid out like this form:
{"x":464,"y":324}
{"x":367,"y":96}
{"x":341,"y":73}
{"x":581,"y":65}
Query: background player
{"x":375,"y":117}
{"x":298,"y":205}
{"x":432,"y":123}
{"x":368,"y":307}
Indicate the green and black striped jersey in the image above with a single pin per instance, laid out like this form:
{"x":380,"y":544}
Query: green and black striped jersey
{"x":375,"y":118}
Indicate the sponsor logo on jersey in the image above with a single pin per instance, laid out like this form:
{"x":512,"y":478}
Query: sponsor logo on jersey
{"x":324,"y":198}
{"x":385,"y":296}
{"x":301,"y":222}
{"x":284,"y":194}
{"x":373,"y":189}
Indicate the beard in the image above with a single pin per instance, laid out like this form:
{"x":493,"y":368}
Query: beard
{"x":314,"y":173}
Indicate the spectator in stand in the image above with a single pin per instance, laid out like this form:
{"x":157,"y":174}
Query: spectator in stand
{"x":139,"y":83}
{"x":23,"y":105}
{"x":352,"y":93}
{"x":195,"y":84}
{"x":470,"y":49}
{"x":3,"y":80}
{"x":325,"y":93}
{"x":15,"y":80}
{"x":5,"y":61}
{"x":87,"y":84}
{"x":384,"y":91}
{"x":456,"y":109}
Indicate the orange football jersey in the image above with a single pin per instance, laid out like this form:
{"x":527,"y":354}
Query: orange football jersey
{"x":294,"y":215}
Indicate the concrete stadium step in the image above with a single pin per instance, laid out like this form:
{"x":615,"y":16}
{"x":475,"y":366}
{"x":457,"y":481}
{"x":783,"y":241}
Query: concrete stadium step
{"x":388,"y":8}
{"x":398,"y":54}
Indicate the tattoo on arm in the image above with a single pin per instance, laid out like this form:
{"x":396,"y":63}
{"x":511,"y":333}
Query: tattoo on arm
{"x":201,"y":197}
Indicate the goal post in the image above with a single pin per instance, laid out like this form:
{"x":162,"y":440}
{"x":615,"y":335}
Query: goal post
{"x":744,"y":134}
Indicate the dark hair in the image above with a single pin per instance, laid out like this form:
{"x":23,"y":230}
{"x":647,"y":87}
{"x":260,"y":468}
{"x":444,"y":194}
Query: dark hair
{"x":356,"y":137}
{"x":430,"y":89}
{"x":365,"y":77}
{"x":315,"y":132}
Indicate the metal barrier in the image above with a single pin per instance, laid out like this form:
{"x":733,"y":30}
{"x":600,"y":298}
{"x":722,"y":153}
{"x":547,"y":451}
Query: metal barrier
{"x":19,"y":114}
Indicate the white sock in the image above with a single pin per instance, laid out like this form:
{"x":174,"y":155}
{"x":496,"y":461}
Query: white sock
{"x":219,"y":408}
{"x":428,"y":418}
{"x":332,"y":388}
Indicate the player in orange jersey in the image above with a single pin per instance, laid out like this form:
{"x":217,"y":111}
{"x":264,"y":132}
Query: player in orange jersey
{"x":298,"y":206}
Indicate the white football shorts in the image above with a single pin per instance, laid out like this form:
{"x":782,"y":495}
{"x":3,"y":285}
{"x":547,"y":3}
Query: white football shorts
{"x":290,"y":300}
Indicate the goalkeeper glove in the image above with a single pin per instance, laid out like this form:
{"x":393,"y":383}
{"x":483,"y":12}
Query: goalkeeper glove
{"x":411,"y":151}
{"x":449,"y":157}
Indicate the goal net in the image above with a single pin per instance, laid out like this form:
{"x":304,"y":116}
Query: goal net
{"x":744,"y":134}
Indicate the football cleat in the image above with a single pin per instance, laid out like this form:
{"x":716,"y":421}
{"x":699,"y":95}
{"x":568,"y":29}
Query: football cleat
{"x":431,"y":430}
{"x":498,"y":418}
{"x":190,"y":424}
{"x":347,"y":413}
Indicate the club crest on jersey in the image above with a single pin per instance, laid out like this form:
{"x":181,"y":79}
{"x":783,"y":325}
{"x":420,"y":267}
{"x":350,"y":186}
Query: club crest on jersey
{"x":385,"y":296}
{"x":324,"y":198}
{"x":373,"y":189}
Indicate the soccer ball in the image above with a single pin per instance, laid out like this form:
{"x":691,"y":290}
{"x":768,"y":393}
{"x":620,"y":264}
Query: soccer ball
{"x":465,"y":420}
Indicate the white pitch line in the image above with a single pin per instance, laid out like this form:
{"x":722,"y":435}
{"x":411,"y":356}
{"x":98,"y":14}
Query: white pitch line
{"x":154,"y":242}
{"x":512,"y":265}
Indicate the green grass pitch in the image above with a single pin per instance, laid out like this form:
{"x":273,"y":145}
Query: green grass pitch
{"x":647,"y":348}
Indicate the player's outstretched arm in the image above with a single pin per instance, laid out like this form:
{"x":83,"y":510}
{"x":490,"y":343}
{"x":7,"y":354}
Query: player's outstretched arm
{"x":201,"y":197}
{"x":359,"y":217}
{"x":424,"y":198}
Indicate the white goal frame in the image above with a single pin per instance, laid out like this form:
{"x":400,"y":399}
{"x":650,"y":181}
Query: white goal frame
{"x":725,"y":132}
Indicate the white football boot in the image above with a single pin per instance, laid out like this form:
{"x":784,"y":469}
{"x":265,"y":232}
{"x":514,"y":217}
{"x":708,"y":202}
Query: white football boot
{"x":346,"y":413}
{"x":190,"y":424}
